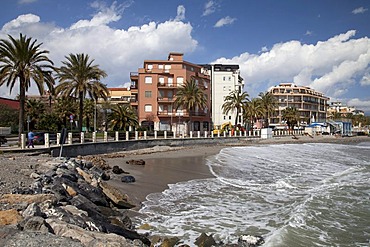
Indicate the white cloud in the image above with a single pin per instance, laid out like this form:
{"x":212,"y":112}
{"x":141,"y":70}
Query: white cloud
{"x":26,"y":1}
{"x":209,"y":8}
{"x":21,"y":20}
{"x":308,"y":33}
{"x":264,"y":49}
{"x":359,"y":10}
{"x":330,"y":66}
{"x":104,"y":16}
{"x":117,"y":51}
{"x":365,"y":81}
{"x":180,"y":13}
{"x":224,"y":21}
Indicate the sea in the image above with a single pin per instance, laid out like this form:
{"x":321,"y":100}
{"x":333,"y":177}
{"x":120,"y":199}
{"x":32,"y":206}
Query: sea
{"x":314,"y":194}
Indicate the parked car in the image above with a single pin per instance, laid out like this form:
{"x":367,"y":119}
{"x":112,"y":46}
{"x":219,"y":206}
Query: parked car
{"x":39,"y":138}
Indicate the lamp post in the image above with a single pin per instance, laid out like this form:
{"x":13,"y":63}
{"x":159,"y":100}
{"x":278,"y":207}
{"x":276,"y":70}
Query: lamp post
{"x":94,"y":115}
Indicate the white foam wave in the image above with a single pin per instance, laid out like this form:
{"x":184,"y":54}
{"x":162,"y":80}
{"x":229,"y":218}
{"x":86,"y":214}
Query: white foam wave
{"x":278,"y":191}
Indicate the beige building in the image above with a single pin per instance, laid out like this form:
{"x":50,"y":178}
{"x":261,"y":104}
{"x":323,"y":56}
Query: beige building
{"x":120,"y":95}
{"x":154,"y":89}
{"x":338,"y":107}
{"x":311,"y":105}
{"x":225,"y":78}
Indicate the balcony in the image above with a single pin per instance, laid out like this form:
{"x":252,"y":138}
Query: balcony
{"x":165,"y":99}
{"x":166,"y":85}
{"x":172,"y":114}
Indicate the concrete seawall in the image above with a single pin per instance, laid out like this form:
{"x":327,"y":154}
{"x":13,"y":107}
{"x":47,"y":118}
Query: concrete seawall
{"x":74,"y":150}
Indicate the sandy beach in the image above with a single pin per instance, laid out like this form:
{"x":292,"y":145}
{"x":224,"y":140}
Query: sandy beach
{"x":170,"y":165}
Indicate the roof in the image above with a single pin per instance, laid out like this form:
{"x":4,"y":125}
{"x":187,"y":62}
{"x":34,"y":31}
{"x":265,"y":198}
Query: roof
{"x":12,"y":103}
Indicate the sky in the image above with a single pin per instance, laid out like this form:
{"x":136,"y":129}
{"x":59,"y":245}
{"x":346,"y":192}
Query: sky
{"x":322,"y":44}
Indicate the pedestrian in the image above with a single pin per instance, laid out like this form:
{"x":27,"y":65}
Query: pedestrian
{"x":30,"y":137}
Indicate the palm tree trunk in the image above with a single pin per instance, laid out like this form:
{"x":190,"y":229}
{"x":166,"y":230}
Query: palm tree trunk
{"x":22,"y":99}
{"x":236,"y":118}
{"x":81,"y":110}
{"x":87,"y":123}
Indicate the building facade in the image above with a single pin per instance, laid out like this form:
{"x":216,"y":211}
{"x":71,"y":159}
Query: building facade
{"x":225,"y":78}
{"x":120,"y":95}
{"x":154,"y":89}
{"x":338,"y":107}
{"x":311,"y":105}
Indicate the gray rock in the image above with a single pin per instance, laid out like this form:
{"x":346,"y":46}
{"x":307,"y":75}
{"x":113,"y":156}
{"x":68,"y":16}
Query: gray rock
{"x":36,"y":239}
{"x":36,"y":224}
{"x":32,"y":210}
{"x":128,"y":179}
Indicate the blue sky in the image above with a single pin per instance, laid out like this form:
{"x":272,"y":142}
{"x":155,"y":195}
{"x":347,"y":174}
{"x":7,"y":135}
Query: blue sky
{"x":322,"y":44}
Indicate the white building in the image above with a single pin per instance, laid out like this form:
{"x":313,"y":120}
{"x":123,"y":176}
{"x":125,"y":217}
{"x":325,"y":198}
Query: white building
{"x":225,"y":78}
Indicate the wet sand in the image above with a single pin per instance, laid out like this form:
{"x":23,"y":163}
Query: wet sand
{"x":163,"y":166}
{"x":169,"y":165}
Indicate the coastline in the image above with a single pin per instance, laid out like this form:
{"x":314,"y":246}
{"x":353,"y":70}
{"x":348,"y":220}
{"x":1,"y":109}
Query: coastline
{"x":170,"y":165}
{"x":164,"y":165}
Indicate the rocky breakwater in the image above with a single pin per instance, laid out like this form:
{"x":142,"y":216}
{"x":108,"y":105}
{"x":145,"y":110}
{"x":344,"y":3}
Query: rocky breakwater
{"x":71,"y":204}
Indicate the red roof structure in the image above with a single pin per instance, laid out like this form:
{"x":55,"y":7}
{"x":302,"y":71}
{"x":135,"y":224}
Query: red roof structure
{"x":12,"y":103}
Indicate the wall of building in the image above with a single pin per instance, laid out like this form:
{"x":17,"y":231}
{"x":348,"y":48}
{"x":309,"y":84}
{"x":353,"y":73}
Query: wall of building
{"x":311,"y":105}
{"x":157,"y":84}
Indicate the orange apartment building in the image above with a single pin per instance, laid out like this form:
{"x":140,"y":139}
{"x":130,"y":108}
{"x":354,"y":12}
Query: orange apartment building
{"x":154,"y":87}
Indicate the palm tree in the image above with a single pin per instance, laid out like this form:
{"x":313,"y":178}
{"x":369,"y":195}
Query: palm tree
{"x":122,"y":117}
{"x":269,"y":104}
{"x":190,"y":97}
{"x":23,"y":60}
{"x":253,"y":110}
{"x":63,"y":108}
{"x":89,"y":110}
{"x":34,"y":109}
{"x":291,"y":116}
{"x":235,"y":101}
{"x":78,"y":77}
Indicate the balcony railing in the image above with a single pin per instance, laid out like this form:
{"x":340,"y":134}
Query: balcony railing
{"x":164,"y":99}
{"x":180,"y":114}
{"x":167,"y":85}
{"x":173,"y":114}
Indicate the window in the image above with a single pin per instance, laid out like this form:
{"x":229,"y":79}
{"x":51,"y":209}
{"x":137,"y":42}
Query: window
{"x":150,"y":66}
{"x":224,"y":88}
{"x":229,"y":78}
{"x":180,"y":81}
{"x":229,"y":117}
{"x":160,"y":108}
{"x":148,"y":94}
{"x":148,"y":79}
{"x":160,"y":66}
{"x":167,"y":67}
{"x":148,"y":108}
{"x":224,"y":78}
{"x":161,"y":80}
{"x":170,"y":81}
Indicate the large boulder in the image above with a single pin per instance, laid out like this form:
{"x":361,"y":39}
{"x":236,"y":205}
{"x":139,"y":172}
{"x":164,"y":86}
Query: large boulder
{"x":89,"y":238}
{"x":119,"y":199}
{"x":205,"y":240}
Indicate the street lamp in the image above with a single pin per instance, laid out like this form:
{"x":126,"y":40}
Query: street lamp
{"x":94,"y":115}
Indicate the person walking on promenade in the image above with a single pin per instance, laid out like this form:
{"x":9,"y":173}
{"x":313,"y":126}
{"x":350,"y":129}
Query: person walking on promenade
{"x":30,"y":137}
